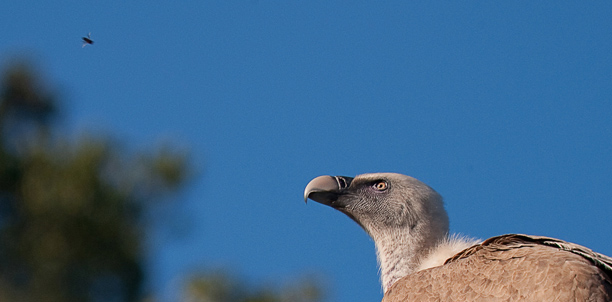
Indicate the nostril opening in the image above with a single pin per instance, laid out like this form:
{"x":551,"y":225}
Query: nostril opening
{"x":343,"y":182}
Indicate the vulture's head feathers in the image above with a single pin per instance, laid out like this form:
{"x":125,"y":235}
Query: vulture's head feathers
{"x":382,"y":202}
{"x":405,"y":217}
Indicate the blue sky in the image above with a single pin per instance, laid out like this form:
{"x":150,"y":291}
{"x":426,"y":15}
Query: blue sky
{"x":503,"y":108}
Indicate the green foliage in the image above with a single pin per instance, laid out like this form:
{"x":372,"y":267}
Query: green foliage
{"x":221,"y":287}
{"x":70,"y":212}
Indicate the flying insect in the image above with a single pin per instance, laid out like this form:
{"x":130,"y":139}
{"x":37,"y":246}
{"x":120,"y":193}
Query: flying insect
{"x":87,"y":40}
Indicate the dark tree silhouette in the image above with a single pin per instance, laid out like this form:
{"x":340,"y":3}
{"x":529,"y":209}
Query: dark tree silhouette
{"x":219,"y":286}
{"x":70,"y":210}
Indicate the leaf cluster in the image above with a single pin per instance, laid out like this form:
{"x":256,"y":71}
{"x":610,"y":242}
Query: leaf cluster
{"x":71,"y":210}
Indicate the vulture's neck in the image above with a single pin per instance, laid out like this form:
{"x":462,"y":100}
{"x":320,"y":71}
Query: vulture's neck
{"x":403,"y":253}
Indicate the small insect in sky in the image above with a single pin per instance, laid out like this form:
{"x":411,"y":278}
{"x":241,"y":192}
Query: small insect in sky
{"x":87,"y":40}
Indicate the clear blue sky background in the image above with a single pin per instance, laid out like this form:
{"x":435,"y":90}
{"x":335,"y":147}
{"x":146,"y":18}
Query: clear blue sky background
{"x":503,"y":108}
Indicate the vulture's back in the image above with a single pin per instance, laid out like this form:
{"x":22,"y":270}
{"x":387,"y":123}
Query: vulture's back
{"x":512,"y":268}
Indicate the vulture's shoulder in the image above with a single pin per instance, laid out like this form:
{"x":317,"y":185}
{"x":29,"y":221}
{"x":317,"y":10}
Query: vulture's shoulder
{"x":512,"y":267}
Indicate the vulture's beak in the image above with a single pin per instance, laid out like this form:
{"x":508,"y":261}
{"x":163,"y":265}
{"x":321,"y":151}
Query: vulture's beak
{"x":326,"y":189}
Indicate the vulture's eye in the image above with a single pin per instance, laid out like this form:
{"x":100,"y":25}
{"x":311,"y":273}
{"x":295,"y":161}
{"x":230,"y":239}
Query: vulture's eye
{"x":381,"y":185}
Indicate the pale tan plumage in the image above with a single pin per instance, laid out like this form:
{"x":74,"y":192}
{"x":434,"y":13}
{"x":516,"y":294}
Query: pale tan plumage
{"x":512,"y":268}
{"x":420,"y":262}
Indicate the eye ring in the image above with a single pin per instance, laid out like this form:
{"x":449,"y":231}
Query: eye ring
{"x":380,"y":185}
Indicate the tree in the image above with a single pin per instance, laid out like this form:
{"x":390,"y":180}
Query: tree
{"x":71,"y":224}
{"x":71,"y":210}
{"x":219,"y":286}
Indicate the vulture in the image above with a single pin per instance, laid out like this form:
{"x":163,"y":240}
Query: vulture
{"x":420,"y":261}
